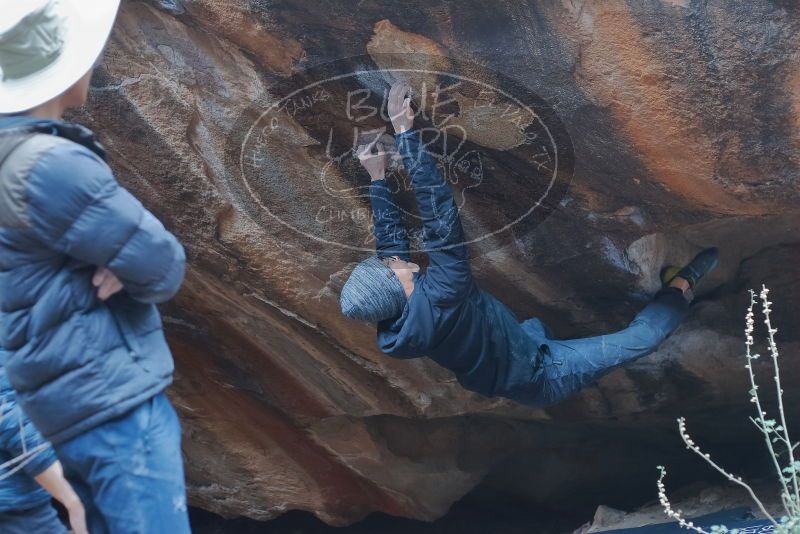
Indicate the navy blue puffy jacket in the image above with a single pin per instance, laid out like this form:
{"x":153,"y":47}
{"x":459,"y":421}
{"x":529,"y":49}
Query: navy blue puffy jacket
{"x":448,"y":317}
{"x":74,"y":361}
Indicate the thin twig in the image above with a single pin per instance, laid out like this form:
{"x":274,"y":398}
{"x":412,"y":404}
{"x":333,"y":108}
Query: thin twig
{"x":662,"y":496}
{"x":754,"y":397}
{"x":773,"y":349}
{"x":736,"y":480}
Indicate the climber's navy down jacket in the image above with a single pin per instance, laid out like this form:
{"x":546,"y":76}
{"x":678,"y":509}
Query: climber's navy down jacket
{"x":448,"y":317}
{"x":75,"y":361}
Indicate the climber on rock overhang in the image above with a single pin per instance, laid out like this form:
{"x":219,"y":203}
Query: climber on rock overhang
{"x":442,"y":313}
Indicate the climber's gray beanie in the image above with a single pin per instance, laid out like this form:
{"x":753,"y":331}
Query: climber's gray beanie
{"x":373,"y":292}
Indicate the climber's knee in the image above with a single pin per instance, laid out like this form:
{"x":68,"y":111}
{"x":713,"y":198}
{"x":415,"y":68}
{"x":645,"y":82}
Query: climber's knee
{"x":643,"y":335}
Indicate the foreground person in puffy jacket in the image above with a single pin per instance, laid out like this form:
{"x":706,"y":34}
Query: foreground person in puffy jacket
{"x":444,"y":315}
{"x":30,"y":475}
{"x":82,"y":266}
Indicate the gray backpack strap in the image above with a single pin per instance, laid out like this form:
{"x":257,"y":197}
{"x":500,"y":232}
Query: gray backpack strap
{"x":10,"y":141}
{"x":19,"y":152}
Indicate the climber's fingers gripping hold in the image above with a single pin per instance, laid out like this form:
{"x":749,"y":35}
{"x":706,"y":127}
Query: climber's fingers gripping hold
{"x":373,"y":162}
{"x":399,"y":107}
{"x":365,"y":151}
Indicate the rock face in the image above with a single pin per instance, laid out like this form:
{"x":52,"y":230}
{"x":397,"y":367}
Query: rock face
{"x":676,"y":125}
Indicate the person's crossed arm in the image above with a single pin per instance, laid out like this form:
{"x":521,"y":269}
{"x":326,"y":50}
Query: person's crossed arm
{"x":87,"y":215}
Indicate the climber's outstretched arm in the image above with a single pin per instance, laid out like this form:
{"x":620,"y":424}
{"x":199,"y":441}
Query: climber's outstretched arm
{"x":443,"y":236}
{"x":391,"y":237}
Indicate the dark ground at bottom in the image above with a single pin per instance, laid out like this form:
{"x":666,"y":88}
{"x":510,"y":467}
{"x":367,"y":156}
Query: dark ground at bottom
{"x":464,"y":518}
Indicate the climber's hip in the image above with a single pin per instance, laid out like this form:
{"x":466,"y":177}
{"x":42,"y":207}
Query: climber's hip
{"x":561,"y":368}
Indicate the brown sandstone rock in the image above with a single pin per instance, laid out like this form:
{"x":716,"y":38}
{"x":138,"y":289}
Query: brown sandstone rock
{"x":684,"y":122}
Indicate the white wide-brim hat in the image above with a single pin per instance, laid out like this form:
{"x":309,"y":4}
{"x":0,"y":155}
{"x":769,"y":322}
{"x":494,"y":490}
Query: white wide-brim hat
{"x":48,"y":45}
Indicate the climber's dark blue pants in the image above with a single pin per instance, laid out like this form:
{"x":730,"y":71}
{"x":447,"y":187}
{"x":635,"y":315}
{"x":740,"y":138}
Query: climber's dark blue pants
{"x":566,"y":366}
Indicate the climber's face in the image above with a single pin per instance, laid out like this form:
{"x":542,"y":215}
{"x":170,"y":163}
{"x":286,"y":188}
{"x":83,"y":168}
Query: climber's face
{"x":404,"y":271}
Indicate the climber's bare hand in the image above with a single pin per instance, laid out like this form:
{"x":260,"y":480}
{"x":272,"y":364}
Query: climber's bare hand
{"x":399,"y":107}
{"x":373,"y":158}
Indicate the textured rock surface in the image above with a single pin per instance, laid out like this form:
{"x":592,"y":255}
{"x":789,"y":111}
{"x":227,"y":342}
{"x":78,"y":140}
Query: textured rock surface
{"x":684,"y":118}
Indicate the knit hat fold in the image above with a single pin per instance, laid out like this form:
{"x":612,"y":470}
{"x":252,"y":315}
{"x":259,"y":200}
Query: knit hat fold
{"x":373,"y":292}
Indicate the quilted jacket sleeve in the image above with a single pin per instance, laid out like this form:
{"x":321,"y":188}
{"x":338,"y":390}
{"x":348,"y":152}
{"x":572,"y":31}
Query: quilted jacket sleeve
{"x":448,"y":275}
{"x":391,"y":237}
{"x":77,"y":207}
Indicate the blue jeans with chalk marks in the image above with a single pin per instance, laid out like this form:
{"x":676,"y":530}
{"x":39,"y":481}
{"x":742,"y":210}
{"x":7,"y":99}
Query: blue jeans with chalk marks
{"x":129,"y":472}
